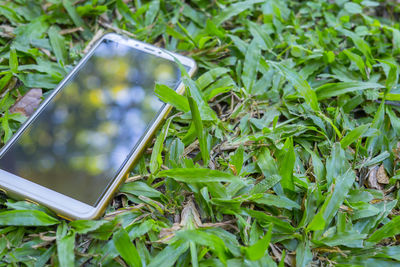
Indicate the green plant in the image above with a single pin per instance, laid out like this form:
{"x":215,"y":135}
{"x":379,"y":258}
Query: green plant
{"x":286,"y":151}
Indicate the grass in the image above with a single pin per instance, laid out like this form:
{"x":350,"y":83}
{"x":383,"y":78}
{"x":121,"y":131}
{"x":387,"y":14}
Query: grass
{"x":286,"y":152}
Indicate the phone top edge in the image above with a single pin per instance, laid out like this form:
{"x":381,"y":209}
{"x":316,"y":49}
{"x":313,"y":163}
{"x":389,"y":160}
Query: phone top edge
{"x":94,"y":211}
{"x":151,"y":49}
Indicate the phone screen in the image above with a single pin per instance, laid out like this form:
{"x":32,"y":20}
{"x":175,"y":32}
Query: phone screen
{"x":80,"y":140}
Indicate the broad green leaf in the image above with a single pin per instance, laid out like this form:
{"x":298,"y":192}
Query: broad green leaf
{"x":236,"y":160}
{"x":169,"y":255}
{"x":156,"y":159}
{"x":13,"y":61}
{"x":140,"y":189}
{"x":86,"y":226}
{"x":250,"y":69}
{"x":126,"y":248}
{"x":39,"y":80}
{"x":260,"y":35}
{"x":198,"y":124}
{"x":391,"y":228}
{"x":353,"y":8}
{"x":353,"y":135}
{"x":257,"y":251}
{"x":65,"y":249}
{"x":286,"y":160}
{"x":197,"y":175}
{"x":278,"y":223}
{"x":26,"y":218}
{"x":10,"y":14}
{"x":43,"y":259}
{"x":337,"y":89}
{"x":91,"y":10}
{"x":4,"y":81}
{"x":360,"y":43}
{"x":358,"y":60}
{"x":336,"y":164}
{"x":210,"y":76}
{"x":318,"y":166}
{"x":78,"y":21}
{"x":126,"y":12}
{"x":301,"y":85}
{"x":58,"y":44}
{"x":391,"y":97}
{"x":333,"y":201}
{"x":396,"y":41}
{"x":6,"y":127}
{"x":267,"y":163}
{"x":303,"y":254}
{"x":205,"y":239}
{"x":170,"y":96}
{"x":373,"y":142}
{"x":392,"y":75}
{"x":348,"y":239}
{"x":234,"y":10}
{"x":277,"y":201}
{"x":151,"y":13}
{"x":317,"y":223}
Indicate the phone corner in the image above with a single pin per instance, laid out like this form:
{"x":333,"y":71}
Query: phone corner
{"x":94,"y":214}
{"x":193,"y":66}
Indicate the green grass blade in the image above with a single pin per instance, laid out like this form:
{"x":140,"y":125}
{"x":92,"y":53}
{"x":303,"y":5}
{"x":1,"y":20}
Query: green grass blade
{"x":352,"y":136}
{"x":26,"y":218}
{"x":300,"y":84}
{"x":13,"y":61}
{"x":58,"y":43}
{"x":197,"y":175}
{"x":65,"y":250}
{"x":337,"y":89}
{"x":169,"y":255}
{"x":250,"y":69}
{"x":257,"y":251}
{"x":170,"y":96}
{"x":199,"y":130}
{"x":234,"y":10}
{"x":126,"y":249}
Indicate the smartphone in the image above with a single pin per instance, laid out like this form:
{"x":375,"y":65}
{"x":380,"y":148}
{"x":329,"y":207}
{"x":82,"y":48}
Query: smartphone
{"x":72,"y":154}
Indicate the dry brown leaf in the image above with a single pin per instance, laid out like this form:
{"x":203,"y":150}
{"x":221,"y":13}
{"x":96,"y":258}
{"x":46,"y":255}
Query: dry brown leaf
{"x":27,"y":104}
{"x":277,"y":252}
{"x":190,"y":212}
{"x":233,"y":168}
{"x":382,"y":176}
{"x":372,"y":181}
{"x":166,"y":234}
{"x":95,"y":38}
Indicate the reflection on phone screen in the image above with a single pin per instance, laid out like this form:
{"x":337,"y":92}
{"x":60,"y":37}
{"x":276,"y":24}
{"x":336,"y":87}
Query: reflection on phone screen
{"x":80,"y":140}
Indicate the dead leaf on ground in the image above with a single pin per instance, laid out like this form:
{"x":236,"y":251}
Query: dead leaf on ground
{"x":382,"y":176}
{"x":27,"y":104}
{"x":190,"y":212}
{"x":372,"y":181}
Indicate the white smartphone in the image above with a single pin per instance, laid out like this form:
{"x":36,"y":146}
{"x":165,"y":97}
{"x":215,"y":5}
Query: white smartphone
{"x":77,"y":148}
